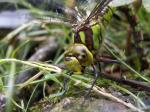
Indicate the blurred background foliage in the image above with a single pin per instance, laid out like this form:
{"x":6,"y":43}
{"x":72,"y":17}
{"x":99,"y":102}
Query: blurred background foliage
{"x":37,"y":32}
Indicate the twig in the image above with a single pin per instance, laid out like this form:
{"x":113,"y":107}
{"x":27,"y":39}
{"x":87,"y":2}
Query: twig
{"x":126,"y":65}
{"x":137,"y":35}
{"x":129,"y":82}
{"x":108,"y":95}
{"x":45,"y":51}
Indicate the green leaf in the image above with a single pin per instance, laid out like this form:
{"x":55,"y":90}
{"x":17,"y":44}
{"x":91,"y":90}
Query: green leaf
{"x":146,"y":4}
{"x":117,"y":3}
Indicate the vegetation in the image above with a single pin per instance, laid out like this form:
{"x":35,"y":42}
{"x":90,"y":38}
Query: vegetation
{"x":66,"y":47}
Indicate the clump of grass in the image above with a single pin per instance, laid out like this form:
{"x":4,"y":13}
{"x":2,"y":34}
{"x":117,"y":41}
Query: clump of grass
{"x":11,"y":65}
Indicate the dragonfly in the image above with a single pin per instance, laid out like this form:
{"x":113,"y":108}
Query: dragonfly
{"x":85,"y":25}
{"x":79,"y":54}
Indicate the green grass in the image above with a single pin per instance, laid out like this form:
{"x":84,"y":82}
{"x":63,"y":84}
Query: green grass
{"x":14,"y":53}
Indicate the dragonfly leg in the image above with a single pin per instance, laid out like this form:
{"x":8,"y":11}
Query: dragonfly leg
{"x":65,"y":84}
{"x":96,"y":73}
